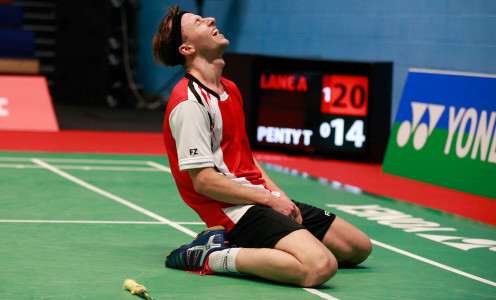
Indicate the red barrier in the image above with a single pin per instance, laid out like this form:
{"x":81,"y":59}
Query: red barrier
{"x":25,"y":104}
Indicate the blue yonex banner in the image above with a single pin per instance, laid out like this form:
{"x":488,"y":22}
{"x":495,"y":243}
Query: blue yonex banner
{"x":444,"y":131}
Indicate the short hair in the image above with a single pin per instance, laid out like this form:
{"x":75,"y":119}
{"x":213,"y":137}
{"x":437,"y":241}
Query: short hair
{"x":168,"y":39}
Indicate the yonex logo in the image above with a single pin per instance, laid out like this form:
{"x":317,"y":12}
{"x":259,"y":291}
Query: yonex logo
{"x":477,"y":126}
{"x":420,"y":131}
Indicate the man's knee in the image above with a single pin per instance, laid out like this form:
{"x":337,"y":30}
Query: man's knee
{"x":350,"y":245}
{"x":322,"y":268}
{"x":315,"y":265}
{"x":359,"y":253}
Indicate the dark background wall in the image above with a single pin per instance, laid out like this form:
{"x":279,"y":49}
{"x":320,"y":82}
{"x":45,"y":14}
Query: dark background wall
{"x":457,"y":35}
{"x":80,"y":45}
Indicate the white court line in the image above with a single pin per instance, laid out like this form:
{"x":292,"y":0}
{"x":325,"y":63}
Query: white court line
{"x":88,"y":168}
{"x":75,"y":160}
{"x":84,"y":168}
{"x":15,"y":159}
{"x":192,"y":223}
{"x":140,"y":209}
{"x":98,"y":222}
{"x":439,"y":265}
{"x":82,"y":222}
{"x":158,"y":166}
{"x":19,"y":166}
{"x":320,"y":294}
{"x":113,"y":197}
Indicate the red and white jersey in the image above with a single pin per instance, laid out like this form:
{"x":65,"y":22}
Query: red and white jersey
{"x":203,"y":129}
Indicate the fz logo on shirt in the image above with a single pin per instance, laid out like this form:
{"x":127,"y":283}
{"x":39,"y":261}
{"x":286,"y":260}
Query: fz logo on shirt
{"x":193,"y":151}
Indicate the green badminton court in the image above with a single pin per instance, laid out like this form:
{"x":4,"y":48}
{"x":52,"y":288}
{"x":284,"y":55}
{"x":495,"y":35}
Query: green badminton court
{"x":75,"y":226}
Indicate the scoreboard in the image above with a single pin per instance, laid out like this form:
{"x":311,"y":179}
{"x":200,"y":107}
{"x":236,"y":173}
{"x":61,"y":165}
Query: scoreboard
{"x":331,"y":109}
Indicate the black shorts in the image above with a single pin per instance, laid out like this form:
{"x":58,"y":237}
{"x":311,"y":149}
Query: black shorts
{"x":263,"y":227}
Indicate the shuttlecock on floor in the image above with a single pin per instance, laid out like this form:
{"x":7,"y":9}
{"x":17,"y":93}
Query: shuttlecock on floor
{"x":136,"y":288}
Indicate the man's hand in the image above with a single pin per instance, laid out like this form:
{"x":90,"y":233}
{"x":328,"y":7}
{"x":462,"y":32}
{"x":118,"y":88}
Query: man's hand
{"x":285,"y":206}
{"x":210,"y":183}
{"x":281,"y":202}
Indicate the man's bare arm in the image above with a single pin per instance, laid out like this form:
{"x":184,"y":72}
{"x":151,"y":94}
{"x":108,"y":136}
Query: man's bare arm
{"x":210,"y":183}
{"x":271,"y":185}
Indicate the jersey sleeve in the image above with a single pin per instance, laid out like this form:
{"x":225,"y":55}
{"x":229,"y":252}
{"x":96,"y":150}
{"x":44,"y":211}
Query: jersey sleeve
{"x":190,"y":127}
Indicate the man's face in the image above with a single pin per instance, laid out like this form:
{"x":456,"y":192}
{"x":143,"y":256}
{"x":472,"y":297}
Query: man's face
{"x":202,"y":34}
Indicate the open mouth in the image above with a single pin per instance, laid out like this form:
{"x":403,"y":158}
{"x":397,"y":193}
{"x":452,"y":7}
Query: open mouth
{"x":215,"y":32}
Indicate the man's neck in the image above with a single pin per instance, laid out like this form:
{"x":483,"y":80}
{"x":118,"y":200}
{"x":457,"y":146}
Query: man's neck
{"x":208,"y":73}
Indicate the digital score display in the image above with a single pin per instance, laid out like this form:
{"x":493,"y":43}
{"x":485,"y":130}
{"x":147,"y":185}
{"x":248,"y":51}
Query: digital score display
{"x":322,"y":108}
{"x":313,"y":112}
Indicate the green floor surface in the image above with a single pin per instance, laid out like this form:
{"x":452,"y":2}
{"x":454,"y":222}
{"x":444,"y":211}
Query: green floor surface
{"x":62,"y":240}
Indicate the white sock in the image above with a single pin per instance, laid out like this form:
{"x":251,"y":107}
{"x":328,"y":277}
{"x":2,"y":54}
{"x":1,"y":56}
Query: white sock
{"x":224,"y":261}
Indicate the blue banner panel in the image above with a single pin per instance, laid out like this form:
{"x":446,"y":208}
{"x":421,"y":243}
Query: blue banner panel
{"x":445,"y":131}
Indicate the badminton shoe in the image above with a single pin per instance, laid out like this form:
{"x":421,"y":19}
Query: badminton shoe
{"x":194,"y":256}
